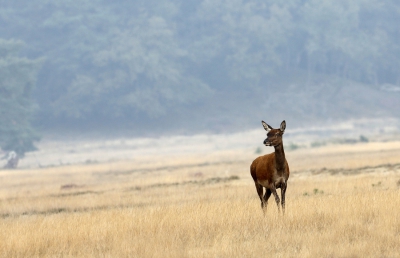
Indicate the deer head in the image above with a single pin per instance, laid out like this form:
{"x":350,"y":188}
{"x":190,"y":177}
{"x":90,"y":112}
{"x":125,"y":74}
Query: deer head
{"x":274,"y":136}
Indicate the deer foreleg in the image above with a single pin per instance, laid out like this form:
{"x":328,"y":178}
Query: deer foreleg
{"x":273,"y":190}
{"x":283,"y":193}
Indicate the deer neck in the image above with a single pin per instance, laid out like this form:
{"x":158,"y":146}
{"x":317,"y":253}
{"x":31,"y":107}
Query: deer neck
{"x":280,"y":160}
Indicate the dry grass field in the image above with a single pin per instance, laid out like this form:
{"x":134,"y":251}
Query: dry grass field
{"x":342,"y":201}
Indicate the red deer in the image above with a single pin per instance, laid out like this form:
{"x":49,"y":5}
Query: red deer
{"x":272,"y":170}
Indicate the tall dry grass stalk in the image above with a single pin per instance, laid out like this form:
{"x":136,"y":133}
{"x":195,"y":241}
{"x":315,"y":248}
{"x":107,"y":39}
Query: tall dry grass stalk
{"x":178,"y":211}
{"x":218,"y":221}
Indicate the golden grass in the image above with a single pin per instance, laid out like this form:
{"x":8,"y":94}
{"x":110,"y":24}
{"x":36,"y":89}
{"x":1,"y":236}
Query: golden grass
{"x":174,"y":209}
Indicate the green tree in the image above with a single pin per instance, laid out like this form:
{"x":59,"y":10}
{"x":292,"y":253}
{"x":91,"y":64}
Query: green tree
{"x":143,"y":59}
{"x":246,"y":36}
{"x":17,"y":79}
{"x":142,"y":71}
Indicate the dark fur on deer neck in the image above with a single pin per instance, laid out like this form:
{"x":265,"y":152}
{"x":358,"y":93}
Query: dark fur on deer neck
{"x":280,"y":159}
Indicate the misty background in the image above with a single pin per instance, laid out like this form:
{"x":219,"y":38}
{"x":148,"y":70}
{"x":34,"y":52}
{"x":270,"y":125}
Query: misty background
{"x":183,"y":67}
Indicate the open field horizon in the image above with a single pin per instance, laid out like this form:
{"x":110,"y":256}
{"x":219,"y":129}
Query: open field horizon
{"x":63,"y":148}
{"x":342,"y":201}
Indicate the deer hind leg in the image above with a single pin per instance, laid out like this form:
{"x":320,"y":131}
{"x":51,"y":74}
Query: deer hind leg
{"x":260,"y":193}
{"x":266,"y":196}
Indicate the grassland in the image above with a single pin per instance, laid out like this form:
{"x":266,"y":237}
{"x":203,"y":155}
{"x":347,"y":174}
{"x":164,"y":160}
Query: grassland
{"x":342,"y":201}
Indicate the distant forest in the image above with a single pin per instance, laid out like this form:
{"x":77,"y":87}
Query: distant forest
{"x":97,"y":60}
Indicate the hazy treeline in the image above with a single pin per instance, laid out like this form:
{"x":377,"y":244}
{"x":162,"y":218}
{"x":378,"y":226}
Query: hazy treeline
{"x":17,"y":81}
{"x":137,"y":59}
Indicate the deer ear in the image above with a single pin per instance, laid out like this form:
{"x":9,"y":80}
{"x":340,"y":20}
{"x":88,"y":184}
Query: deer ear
{"x":283,"y":126}
{"x":266,"y":126}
